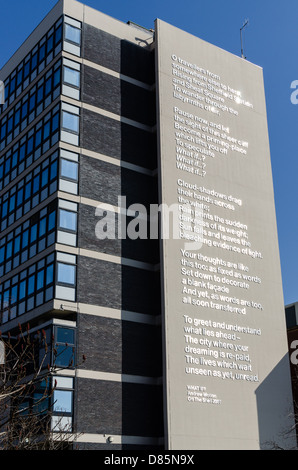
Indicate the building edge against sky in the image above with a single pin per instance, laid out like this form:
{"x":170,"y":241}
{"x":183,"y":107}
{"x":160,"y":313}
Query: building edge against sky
{"x":79,"y":129}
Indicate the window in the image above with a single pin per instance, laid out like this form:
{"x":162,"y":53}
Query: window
{"x":67,"y":220}
{"x":71,"y":76}
{"x":69,"y":169}
{"x":30,"y":191}
{"x":65,"y":346}
{"x":70,"y":122}
{"x":42,"y":53}
{"x":50,"y":274}
{"x":62,"y":401}
{"x":37,"y":140}
{"x":66,"y":274}
{"x":72,"y":34}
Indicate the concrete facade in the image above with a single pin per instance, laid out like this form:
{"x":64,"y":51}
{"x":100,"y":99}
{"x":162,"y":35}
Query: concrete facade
{"x":110,"y":140}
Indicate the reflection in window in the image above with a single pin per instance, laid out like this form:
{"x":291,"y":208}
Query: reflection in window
{"x":71,"y":76}
{"x":70,"y":122}
{"x":67,"y":220}
{"x":69,"y":169}
{"x":66,"y":274}
{"x":62,"y":401}
{"x":72,"y":34}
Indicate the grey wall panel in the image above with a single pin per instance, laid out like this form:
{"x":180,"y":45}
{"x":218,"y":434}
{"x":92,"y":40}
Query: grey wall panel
{"x":146,"y":250}
{"x":214,"y":151}
{"x":118,"y":54}
{"x":118,"y":96}
{"x":117,"y":139}
{"x":104,"y":182}
{"x":115,"y":286}
{"x":106,"y":416}
{"x":121,"y":347}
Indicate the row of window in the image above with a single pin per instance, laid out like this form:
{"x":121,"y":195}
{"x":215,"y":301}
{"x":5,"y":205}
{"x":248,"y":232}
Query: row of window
{"x":37,"y":141}
{"x":30,"y":238}
{"x":38,"y":185}
{"x":30,"y":147}
{"x":41,"y":56}
{"x":57,"y":399}
{"x":33,"y":64}
{"x":56,"y":347}
{"x":35,"y":285}
{"x":39,"y":98}
{"x":37,"y":234}
{"x":31,"y":105}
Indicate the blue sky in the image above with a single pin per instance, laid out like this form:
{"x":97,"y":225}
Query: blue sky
{"x":270,"y":40}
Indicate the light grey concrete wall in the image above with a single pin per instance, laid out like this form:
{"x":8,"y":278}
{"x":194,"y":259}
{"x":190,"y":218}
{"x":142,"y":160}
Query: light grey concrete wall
{"x":249,"y":409}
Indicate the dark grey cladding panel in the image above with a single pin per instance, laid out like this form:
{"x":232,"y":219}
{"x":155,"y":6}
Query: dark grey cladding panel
{"x":118,"y":140}
{"x":145,"y":250}
{"x":121,"y":347}
{"x":119,"y":408}
{"x":119,"y":55}
{"x":99,"y":180}
{"x":101,"y":401}
{"x":117,"y":286}
{"x":105,"y":182}
{"x":101,"y":134}
{"x":118,"y":96}
{"x":142,"y":410}
{"x":87,"y":238}
{"x":100,"y":340}
{"x":141,"y":349}
{"x":101,"y":47}
{"x":101,"y":90}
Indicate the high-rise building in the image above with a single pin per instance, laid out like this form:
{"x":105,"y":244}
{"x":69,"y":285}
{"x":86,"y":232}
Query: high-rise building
{"x":104,"y":126}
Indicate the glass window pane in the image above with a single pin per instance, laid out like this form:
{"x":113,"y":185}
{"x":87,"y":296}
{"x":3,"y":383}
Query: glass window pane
{"x":52,"y":221}
{"x":55,"y":122}
{"x":17,"y":244}
{"x":70,"y":121}
{"x":9,"y":250}
{"x":34,"y":61}
{"x":44,"y":177}
{"x":69,"y":169}
{"x":65,"y":355}
{"x":53,"y":172}
{"x":48,"y":86}
{"x":66,"y":273}
{"x":46,"y":130}
{"x":33,"y":233}
{"x":50,"y":274}
{"x":32,"y":102}
{"x":4,"y":209}
{"x":65,"y":335}
{"x":22,"y":290}
{"x":12,"y":202}
{"x":27,"y":190}
{"x":14,"y":294}
{"x":2,"y":251}
{"x":31,"y":283}
{"x":40,"y":279}
{"x":25,"y":238}
{"x":58,"y":34}
{"x":62,"y":401}
{"x":72,"y":34}
{"x":72,"y":76}
{"x":36,"y":184}
{"x":42,"y":226}
{"x":67,"y":220}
